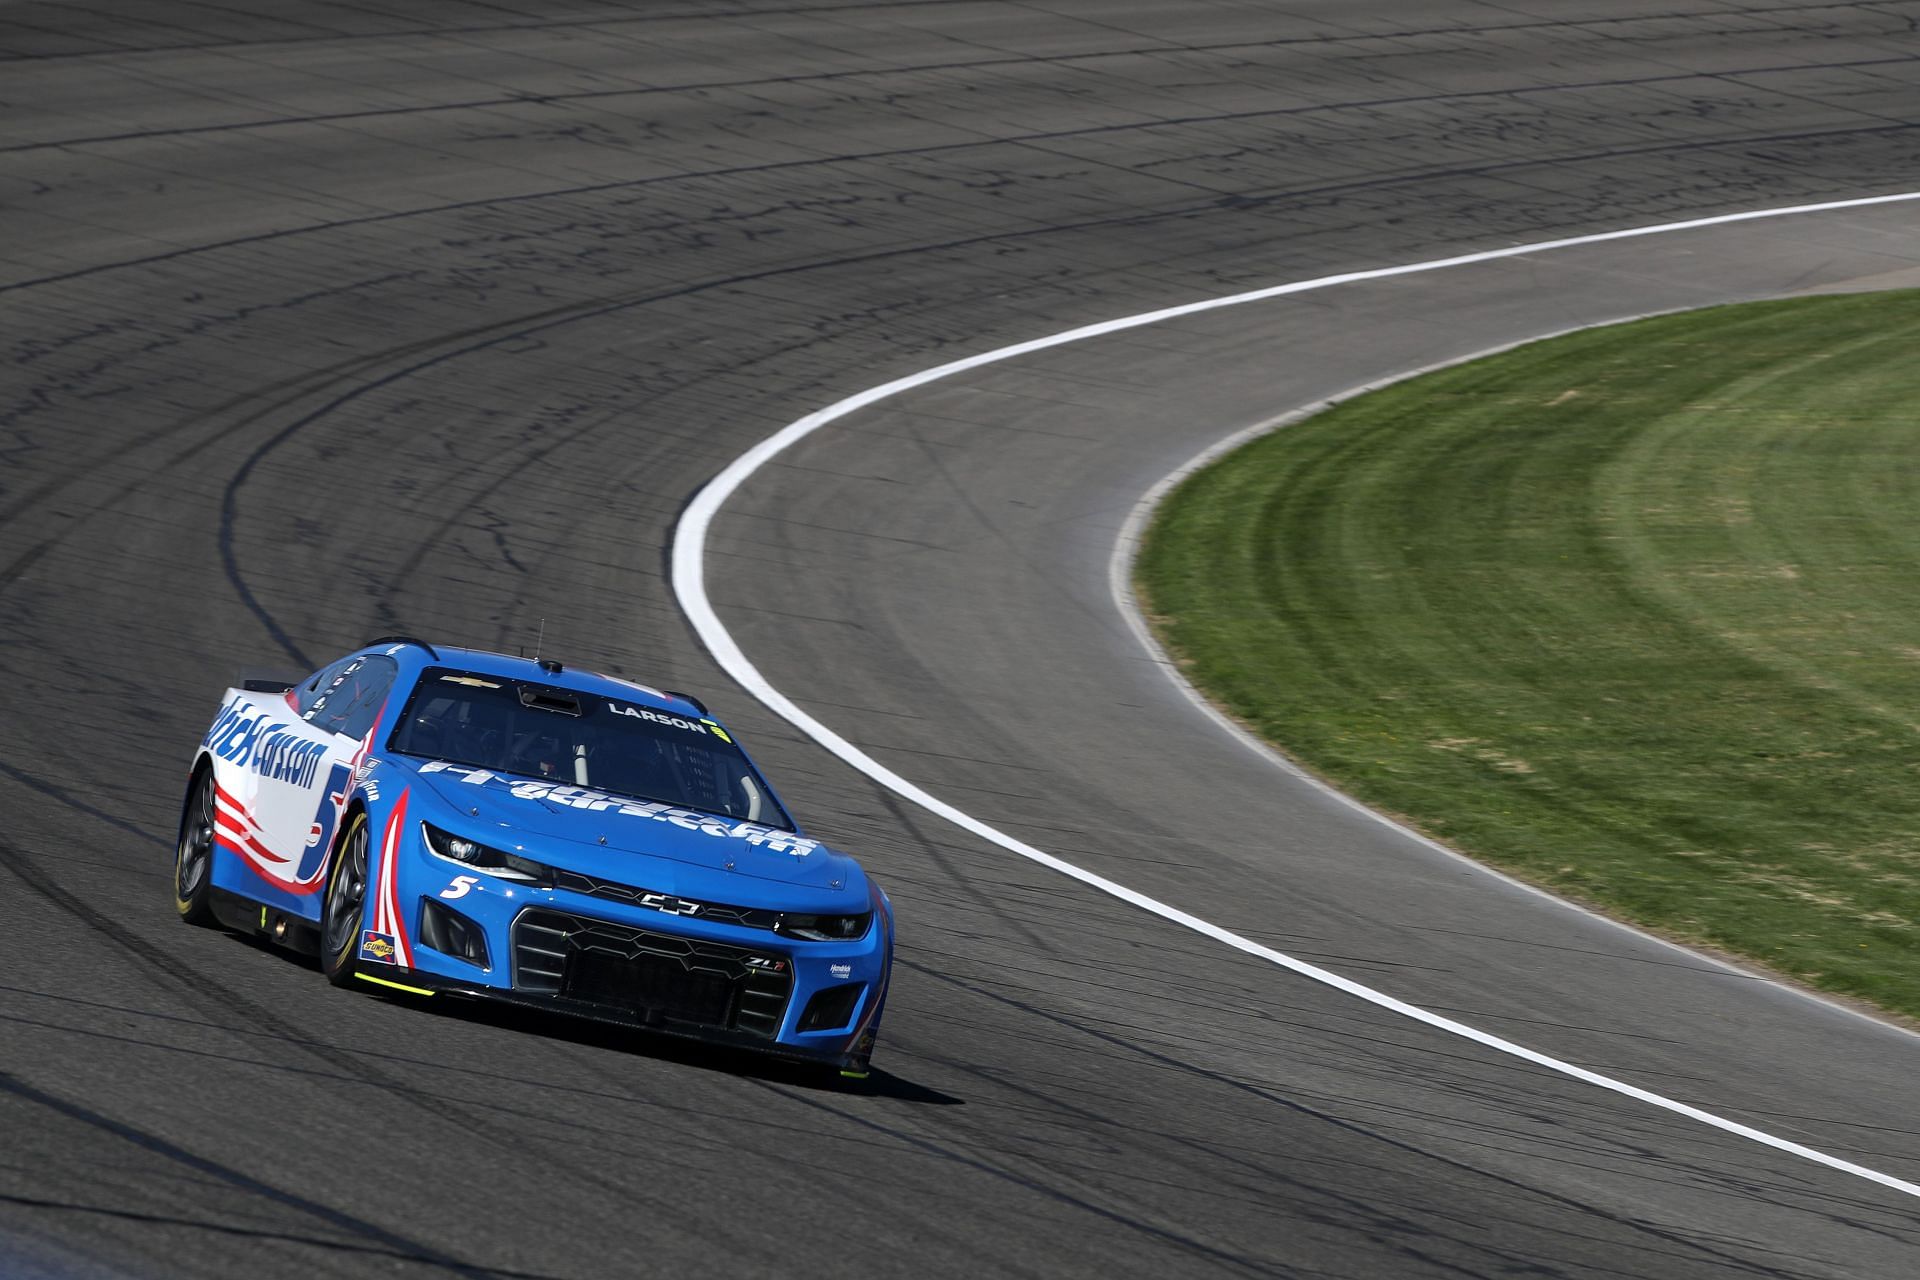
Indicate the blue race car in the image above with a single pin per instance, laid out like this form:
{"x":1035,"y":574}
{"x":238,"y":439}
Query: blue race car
{"x":451,"y":822}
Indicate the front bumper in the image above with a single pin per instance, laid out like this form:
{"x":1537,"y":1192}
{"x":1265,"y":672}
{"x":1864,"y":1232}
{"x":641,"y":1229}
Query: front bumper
{"x":414,"y":982}
{"x":584,"y":956}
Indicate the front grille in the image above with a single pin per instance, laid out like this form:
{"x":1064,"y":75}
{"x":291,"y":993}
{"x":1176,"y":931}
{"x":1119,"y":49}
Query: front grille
{"x":652,"y":983}
{"x":672,"y":904}
{"x":650,"y":974}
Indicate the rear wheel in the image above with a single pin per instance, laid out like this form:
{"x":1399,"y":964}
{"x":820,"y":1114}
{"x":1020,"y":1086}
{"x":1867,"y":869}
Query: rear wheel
{"x":346,"y":896}
{"x":193,"y":858}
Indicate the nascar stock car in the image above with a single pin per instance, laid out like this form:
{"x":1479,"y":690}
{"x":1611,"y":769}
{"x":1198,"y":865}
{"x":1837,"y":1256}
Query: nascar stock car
{"x":452,"y":822}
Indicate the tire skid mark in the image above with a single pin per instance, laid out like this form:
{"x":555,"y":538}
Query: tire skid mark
{"x":209,"y":993}
{"x":614,"y":20}
{"x":387,"y":589}
{"x":61,"y":795}
{"x":373,"y":364}
{"x":271,"y":399}
{"x":1267,"y":1096}
{"x":441,"y":33}
{"x":520,"y":330}
{"x":949,"y":1154}
{"x":1731,"y":75}
{"x":390,"y":1243}
{"x":1239,"y":201}
{"x":376,"y":1249}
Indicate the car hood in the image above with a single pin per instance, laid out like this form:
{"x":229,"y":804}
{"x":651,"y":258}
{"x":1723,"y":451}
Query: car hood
{"x":599,"y":834}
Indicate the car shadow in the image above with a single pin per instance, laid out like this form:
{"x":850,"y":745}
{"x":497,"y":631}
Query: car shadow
{"x":679,"y":1050}
{"x":663,"y":1046}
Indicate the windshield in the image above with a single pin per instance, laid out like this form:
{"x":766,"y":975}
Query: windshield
{"x":541,"y":731}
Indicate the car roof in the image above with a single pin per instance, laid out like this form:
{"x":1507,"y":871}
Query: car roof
{"x":560,"y":676}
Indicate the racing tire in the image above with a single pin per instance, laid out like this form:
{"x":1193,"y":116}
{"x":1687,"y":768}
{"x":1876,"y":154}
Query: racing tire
{"x":341,"y":909}
{"x":193,"y":855}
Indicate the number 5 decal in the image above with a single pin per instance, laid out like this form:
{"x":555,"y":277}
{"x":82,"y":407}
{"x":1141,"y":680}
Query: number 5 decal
{"x":333,"y":797}
{"x":461,"y":887}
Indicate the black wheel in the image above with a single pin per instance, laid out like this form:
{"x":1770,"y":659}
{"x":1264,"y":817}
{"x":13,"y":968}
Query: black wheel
{"x":346,"y":896}
{"x":193,"y":859}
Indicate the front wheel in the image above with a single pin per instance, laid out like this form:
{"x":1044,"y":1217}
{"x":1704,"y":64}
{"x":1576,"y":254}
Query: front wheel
{"x":346,"y":897}
{"x":193,"y":858}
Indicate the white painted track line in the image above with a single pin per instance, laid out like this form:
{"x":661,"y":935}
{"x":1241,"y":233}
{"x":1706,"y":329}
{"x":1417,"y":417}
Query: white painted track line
{"x":689,"y":586}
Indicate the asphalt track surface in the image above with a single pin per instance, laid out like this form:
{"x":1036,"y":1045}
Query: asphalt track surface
{"x":323,"y":321}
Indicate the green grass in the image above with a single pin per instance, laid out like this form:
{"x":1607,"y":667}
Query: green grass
{"x":1633,"y":613}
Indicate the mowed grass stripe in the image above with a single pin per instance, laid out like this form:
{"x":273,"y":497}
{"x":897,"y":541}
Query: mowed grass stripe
{"x":1633,"y":613}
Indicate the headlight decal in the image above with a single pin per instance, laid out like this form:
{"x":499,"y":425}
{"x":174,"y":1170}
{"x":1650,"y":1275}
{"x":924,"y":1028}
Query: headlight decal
{"x":495,"y":862}
{"x":821,"y":928}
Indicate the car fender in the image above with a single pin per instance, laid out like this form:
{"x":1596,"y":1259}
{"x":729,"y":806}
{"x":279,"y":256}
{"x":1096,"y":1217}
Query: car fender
{"x":280,"y":789}
{"x":386,"y":932}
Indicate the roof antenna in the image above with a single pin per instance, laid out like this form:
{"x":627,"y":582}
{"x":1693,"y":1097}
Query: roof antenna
{"x":540,"y":639}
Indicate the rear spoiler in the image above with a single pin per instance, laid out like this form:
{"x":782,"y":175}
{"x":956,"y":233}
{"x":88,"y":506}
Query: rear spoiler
{"x":377,"y":641}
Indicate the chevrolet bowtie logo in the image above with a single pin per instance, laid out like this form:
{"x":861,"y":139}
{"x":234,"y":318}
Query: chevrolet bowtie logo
{"x":668,"y":903}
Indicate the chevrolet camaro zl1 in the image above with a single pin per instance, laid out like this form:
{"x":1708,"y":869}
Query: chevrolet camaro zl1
{"x":456,"y":823}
